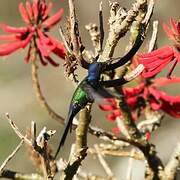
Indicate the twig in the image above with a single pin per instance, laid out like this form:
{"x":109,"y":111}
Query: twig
{"x":64,"y":40}
{"x":17,"y":131}
{"x":173,"y":164}
{"x":136,"y":25}
{"x":11,"y":156}
{"x":119,"y":26}
{"x":153,"y":40}
{"x":20,"y":176}
{"x":74,"y":28}
{"x":130,"y":165}
{"x":109,"y":137}
{"x":75,"y":35}
{"x":119,"y":153}
{"x":40,"y":96}
{"x":42,"y":147}
{"x":95,"y":36}
{"x":103,"y":162}
{"x":33,"y":133}
{"x":133,"y":132}
{"x":101,"y":26}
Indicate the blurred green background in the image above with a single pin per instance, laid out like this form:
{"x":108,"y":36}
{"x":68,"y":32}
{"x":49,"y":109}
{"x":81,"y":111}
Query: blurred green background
{"x":18,"y":99}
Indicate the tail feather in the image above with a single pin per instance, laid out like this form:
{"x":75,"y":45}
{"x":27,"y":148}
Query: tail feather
{"x":68,"y":126}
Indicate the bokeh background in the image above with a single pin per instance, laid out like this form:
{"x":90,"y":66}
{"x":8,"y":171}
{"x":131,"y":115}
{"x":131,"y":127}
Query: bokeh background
{"x":18,"y":99}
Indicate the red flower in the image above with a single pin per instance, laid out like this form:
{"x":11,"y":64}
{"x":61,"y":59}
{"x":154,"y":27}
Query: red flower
{"x":159,"y":100}
{"x":38,"y":23}
{"x":175,"y":33}
{"x":155,"y":61}
{"x":137,"y":98}
{"x":116,"y":130}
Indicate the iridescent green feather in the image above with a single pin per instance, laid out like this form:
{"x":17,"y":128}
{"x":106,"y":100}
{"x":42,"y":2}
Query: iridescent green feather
{"x":79,"y":95}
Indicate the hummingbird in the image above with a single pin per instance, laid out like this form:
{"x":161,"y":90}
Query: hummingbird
{"x":81,"y":97}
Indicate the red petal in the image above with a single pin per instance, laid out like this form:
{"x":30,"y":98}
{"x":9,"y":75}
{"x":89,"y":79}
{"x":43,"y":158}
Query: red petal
{"x":132,"y":101}
{"x":134,"y":116}
{"x":48,"y":10}
{"x":165,"y":81}
{"x":148,"y":135}
{"x":45,"y":45}
{"x":42,"y":37}
{"x":23,"y":13}
{"x":59,"y":50}
{"x":168,"y":31}
{"x":170,"y":99}
{"x":11,"y":29}
{"x":174,"y":26}
{"x":9,"y":48}
{"x":155,"y":105}
{"x":6,"y":49}
{"x":173,"y":110}
{"x":111,"y":117}
{"x":29,"y":9}
{"x":106,"y":107}
{"x":152,"y":72}
{"x":116,"y":130}
{"x":11,"y":37}
{"x":44,"y":52}
{"x":131,"y":92}
{"x":157,"y":52}
{"x":117,"y":112}
{"x":157,"y":62}
{"x":51,"y":21}
{"x":35,"y":9}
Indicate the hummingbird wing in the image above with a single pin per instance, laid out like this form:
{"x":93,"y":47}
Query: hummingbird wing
{"x":101,"y":93}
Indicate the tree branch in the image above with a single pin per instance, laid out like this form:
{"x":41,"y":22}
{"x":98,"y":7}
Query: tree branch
{"x":11,"y":156}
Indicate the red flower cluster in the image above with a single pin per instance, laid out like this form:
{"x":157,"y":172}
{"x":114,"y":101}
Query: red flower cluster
{"x":38,"y":23}
{"x":155,"y":61}
{"x":141,"y":95}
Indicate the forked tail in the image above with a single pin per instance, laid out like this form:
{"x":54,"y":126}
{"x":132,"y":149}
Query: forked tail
{"x":67,"y":126}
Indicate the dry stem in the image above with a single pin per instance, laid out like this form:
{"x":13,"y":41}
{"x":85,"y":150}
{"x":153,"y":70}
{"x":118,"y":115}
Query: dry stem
{"x":40,"y":96}
{"x":11,"y":156}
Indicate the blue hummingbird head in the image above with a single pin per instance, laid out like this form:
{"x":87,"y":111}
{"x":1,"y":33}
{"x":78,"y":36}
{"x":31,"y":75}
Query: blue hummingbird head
{"x":94,"y":71}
